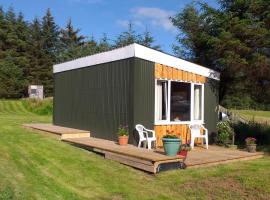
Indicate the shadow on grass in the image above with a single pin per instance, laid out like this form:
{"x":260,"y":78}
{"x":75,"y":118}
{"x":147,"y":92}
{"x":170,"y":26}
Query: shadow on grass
{"x":253,"y":129}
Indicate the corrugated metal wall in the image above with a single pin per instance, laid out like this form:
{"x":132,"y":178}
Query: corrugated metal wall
{"x":100,"y":98}
{"x":94,"y":98}
{"x":143,"y":91}
{"x":210,"y":105}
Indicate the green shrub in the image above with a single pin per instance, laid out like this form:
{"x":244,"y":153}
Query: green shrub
{"x":40,"y":107}
{"x":224,"y":132}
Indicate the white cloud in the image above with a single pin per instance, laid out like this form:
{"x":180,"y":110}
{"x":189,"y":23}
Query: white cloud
{"x":157,"y":17}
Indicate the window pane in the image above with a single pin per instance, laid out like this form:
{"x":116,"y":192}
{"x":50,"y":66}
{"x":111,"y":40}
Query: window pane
{"x":33,"y":91}
{"x":180,"y":101}
{"x":161,"y":98}
{"x":197,"y":102}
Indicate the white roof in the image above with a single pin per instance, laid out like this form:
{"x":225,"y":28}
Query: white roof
{"x":138,"y":51}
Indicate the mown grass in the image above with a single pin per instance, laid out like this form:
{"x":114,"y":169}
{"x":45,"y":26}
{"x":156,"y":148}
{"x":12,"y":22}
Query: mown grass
{"x":38,"y":166}
{"x":255,"y":115}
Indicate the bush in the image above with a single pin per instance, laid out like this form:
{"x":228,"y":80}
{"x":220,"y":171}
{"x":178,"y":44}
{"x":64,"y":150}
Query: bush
{"x":252,"y":129}
{"x":224,"y":132}
{"x":40,"y":107}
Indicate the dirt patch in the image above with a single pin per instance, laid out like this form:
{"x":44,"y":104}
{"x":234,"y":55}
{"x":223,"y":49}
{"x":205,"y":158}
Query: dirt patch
{"x":225,"y":188}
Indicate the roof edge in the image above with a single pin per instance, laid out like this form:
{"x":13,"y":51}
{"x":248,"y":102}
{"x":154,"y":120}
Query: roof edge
{"x":172,"y":61}
{"x":139,"y":51}
{"x":104,"y":57}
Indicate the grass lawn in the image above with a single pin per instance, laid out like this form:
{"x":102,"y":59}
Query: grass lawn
{"x":258,"y":116}
{"x":38,"y":166}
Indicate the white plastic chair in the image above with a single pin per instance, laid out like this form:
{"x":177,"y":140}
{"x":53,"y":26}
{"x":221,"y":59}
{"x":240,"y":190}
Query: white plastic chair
{"x":143,"y":133}
{"x":195,"y":131}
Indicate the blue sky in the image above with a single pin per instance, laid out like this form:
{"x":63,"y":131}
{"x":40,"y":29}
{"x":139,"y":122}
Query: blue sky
{"x":95,"y":17}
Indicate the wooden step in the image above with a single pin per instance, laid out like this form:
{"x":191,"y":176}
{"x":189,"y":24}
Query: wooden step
{"x":63,"y":132}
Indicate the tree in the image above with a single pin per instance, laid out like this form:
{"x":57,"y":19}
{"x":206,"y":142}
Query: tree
{"x":51,"y":44}
{"x":71,"y":42}
{"x":127,"y":37}
{"x":13,"y":51}
{"x":70,"y":36}
{"x":39,"y":68}
{"x":104,"y":44}
{"x":12,"y":81}
{"x":148,"y":40}
{"x":50,"y":35}
{"x":234,"y":40}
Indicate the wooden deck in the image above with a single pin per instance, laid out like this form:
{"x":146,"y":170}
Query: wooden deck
{"x":148,"y":160}
{"x":201,"y":157}
{"x":63,"y":132}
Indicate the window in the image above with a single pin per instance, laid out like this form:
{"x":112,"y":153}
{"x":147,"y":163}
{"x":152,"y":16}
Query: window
{"x":33,"y":91}
{"x":178,"y":102}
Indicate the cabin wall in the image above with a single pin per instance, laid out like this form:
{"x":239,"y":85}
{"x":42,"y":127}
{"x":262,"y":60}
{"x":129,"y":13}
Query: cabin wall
{"x":96,"y":98}
{"x":143,"y":95}
{"x":211,"y":102}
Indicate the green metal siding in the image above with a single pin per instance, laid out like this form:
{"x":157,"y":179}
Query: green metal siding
{"x":100,"y":98}
{"x":210,"y":105}
{"x":143,"y":92}
{"x":94,"y":98}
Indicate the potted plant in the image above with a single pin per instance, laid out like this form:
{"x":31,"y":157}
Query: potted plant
{"x":251,"y":144}
{"x":122,"y":135}
{"x":171,"y":143}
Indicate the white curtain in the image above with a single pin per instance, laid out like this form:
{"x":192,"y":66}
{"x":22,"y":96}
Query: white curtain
{"x":158,"y":103}
{"x":197,"y":102}
{"x":161,"y":96}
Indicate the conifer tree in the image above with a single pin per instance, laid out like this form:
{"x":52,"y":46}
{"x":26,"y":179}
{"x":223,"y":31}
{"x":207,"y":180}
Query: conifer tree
{"x":127,"y":37}
{"x":50,"y":35}
{"x":70,"y":36}
{"x":104,"y":44}
{"x":148,"y":40}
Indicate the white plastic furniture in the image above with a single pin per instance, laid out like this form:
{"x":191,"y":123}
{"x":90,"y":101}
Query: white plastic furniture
{"x":144,"y":137}
{"x":195,"y":131}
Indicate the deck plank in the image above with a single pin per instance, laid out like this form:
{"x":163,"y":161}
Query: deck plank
{"x":217,"y":155}
{"x":129,"y":150}
{"x":64,"y":132}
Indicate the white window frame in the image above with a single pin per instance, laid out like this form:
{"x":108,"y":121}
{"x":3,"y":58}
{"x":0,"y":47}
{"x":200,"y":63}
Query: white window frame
{"x":168,"y":120}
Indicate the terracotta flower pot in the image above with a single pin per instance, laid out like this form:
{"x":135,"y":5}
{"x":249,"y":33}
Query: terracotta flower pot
{"x":123,"y":140}
{"x":251,"y":148}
